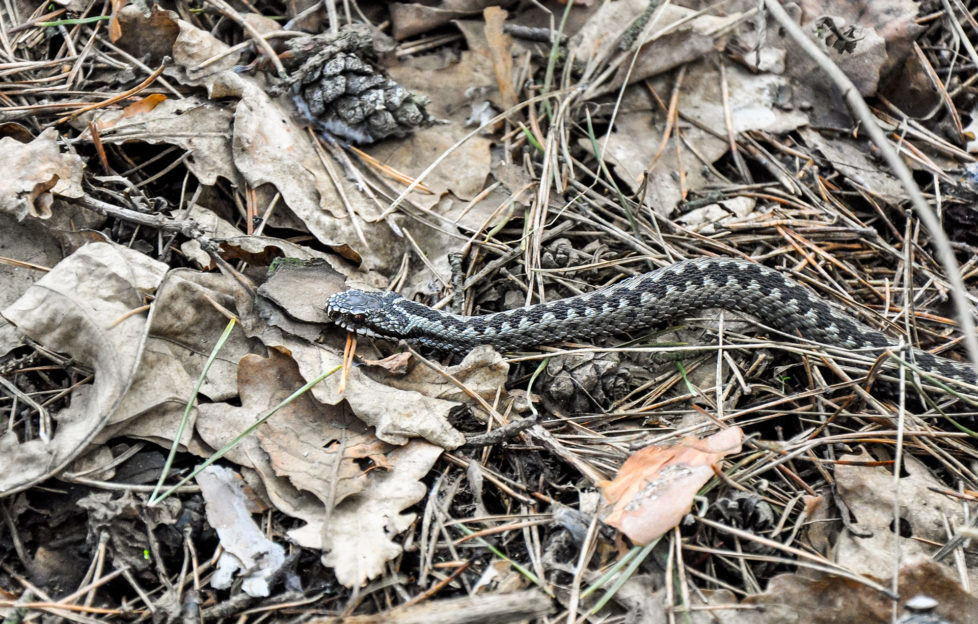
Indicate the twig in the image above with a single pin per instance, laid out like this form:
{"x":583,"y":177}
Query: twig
{"x":189,"y":228}
{"x":483,"y":608}
{"x":497,"y":436}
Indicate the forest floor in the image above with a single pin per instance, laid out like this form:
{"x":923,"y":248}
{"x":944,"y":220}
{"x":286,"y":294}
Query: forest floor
{"x":187,"y":437}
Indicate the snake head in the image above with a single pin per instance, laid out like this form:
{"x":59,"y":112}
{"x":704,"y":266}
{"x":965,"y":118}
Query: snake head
{"x":373,"y":314}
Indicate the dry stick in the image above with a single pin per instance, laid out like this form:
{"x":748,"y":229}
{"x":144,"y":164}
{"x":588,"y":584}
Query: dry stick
{"x":479,"y":609}
{"x":189,"y":227}
{"x":858,"y":107}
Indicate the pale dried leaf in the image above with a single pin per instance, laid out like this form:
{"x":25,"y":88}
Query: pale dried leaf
{"x":676,"y":39}
{"x":483,"y":372}
{"x":149,"y":39}
{"x":184,"y":326}
{"x":714,"y":217}
{"x":754,"y":100}
{"x":198,"y":126}
{"x":359,"y":533}
{"x":212,"y":226}
{"x":27,"y":241}
{"x":314,"y":446}
{"x":35,"y":172}
{"x":270,"y":147}
{"x":868,"y":491}
{"x":884,"y":36}
{"x":414,"y":18}
{"x":397,"y":415}
{"x":604,"y":27}
{"x":192,"y":48}
{"x":463,"y":173}
{"x":830,"y":599}
{"x":893,"y":22}
{"x":500,"y":45}
{"x":125,"y":520}
{"x":635,"y":147}
{"x":246,"y":549}
{"x":73,"y":310}
{"x":850,"y":158}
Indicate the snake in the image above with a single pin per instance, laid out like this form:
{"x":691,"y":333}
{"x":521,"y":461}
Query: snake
{"x":633,"y":304}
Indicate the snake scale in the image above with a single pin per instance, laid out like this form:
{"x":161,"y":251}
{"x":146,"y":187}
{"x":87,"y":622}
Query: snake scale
{"x":636,"y":303}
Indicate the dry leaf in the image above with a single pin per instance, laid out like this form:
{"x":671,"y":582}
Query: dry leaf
{"x":245,"y":546}
{"x":850,"y":157}
{"x":600,"y":34}
{"x":830,"y":599}
{"x":358,"y":533}
{"x":634,"y":147}
{"x":868,"y":492}
{"x":894,"y":22}
{"x":409,"y":19}
{"x":884,"y":36}
{"x":310,"y":448}
{"x":483,"y":372}
{"x":184,"y":325}
{"x":34,"y":172}
{"x":268,"y":146}
{"x":115,"y":30}
{"x":82,"y":309}
{"x":212,"y":226}
{"x":397,"y":415}
{"x":713,"y":218}
{"x":26,"y":241}
{"x":148,"y":38}
{"x":126,"y":521}
{"x":316,"y":447}
{"x":673,"y":45}
{"x":655,"y":487}
{"x":395,"y":364}
{"x":203,"y":128}
{"x":140,"y":106}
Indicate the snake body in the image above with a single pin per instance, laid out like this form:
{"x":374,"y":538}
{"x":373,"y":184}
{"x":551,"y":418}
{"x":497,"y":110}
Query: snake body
{"x":636,"y":303}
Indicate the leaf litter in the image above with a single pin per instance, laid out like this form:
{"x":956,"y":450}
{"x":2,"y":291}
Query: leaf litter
{"x":609,"y":138}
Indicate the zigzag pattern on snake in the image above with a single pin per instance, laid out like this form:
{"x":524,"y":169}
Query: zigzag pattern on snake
{"x":636,"y":303}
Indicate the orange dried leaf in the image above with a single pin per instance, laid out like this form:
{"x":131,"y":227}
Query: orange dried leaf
{"x":500,"y":49}
{"x":115,"y":28}
{"x":144,"y":105}
{"x":656,"y":485}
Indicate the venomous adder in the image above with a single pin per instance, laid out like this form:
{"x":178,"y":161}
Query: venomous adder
{"x":633,"y":304}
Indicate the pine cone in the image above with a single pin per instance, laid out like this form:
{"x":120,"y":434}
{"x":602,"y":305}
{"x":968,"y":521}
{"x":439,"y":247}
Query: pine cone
{"x":343,"y":94}
{"x":581,"y":381}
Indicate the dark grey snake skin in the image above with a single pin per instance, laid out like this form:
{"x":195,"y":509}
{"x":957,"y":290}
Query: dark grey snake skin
{"x":631,"y":305}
